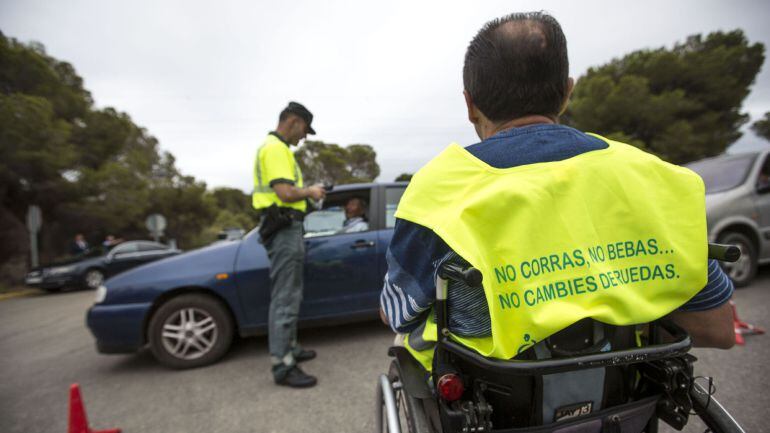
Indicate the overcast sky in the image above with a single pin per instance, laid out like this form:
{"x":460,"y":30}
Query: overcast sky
{"x":208,"y":79}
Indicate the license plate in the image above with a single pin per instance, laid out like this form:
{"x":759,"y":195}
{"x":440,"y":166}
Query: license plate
{"x":34,"y":280}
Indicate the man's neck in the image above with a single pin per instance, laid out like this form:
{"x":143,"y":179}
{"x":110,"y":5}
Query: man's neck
{"x":495,"y":128}
{"x":281,"y":135}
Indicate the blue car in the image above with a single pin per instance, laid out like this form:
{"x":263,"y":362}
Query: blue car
{"x":188,"y":307}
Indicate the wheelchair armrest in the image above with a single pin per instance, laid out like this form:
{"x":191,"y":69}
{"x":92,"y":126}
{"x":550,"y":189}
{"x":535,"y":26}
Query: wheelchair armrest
{"x":680,"y":346}
{"x":413,"y":376}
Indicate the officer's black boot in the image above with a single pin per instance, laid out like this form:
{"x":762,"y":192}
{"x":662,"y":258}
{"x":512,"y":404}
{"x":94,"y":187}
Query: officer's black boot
{"x":304,"y":355}
{"x":296,"y":378}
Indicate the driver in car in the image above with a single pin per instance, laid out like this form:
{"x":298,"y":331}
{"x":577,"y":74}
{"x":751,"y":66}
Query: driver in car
{"x":355,"y":216}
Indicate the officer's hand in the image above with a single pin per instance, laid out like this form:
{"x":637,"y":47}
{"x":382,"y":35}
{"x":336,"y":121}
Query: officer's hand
{"x":316,"y":192}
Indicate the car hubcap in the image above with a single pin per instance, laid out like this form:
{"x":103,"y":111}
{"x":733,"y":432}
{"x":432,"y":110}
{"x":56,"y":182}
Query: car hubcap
{"x":189,"y":333}
{"x":738,"y":270}
{"x":94,"y":279}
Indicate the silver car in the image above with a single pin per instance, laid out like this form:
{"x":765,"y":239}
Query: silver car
{"x":738,"y":208}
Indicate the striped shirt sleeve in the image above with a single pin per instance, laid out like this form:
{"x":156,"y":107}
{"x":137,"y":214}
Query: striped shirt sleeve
{"x":409,"y":290}
{"x":718,"y":290}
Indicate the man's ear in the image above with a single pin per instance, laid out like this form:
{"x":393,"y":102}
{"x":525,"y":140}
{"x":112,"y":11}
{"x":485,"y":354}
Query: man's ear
{"x":293,"y":121}
{"x":570,"y":88}
{"x":296,"y":125}
{"x":473,"y":115}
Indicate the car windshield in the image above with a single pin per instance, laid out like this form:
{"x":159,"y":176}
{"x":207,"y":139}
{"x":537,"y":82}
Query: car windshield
{"x":723,"y":174}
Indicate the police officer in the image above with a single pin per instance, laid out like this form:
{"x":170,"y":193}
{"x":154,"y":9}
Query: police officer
{"x":562,"y":224}
{"x":280,"y":196}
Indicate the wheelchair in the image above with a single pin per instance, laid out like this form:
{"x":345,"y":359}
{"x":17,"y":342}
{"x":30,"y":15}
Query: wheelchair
{"x":467,"y":393}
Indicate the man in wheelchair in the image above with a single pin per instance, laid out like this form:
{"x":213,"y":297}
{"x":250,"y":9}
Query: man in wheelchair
{"x":577,"y":242}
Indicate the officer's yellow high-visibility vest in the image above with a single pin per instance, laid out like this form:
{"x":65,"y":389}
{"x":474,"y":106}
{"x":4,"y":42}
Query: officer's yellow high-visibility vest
{"x":613,"y":234}
{"x":275,"y":161}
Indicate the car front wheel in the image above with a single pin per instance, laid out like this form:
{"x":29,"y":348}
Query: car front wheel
{"x":93,"y":279}
{"x":190,"y":331}
{"x":743,"y":270}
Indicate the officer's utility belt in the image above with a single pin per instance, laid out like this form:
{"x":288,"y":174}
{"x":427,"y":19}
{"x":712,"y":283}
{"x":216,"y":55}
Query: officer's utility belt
{"x":294,"y":214}
{"x":275,"y":218}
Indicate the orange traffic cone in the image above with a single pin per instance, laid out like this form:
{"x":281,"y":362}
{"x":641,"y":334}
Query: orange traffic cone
{"x":742,"y":328}
{"x":78,"y":419}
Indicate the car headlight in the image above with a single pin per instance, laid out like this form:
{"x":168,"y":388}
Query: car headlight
{"x":61,"y":270}
{"x":101,"y":294}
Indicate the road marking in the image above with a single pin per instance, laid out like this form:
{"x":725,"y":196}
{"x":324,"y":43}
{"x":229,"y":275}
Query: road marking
{"x":20,"y":293}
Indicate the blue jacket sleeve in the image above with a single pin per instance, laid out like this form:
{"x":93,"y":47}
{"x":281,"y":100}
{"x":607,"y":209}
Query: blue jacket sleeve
{"x":718,"y":290}
{"x":408,"y":291}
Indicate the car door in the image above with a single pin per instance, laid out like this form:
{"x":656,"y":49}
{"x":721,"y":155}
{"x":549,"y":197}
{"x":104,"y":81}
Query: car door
{"x":341,"y":272}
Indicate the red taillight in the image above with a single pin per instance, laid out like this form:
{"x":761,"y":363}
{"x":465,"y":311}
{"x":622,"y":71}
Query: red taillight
{"x":450,"y":387}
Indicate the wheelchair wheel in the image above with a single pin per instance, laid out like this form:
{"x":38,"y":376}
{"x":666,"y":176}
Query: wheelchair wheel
{"x":712,"y":413}
{"x":398,"y":412}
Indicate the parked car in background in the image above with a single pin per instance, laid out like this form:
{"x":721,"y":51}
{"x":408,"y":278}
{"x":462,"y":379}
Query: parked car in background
{"x":738,"y":208}
{"x":188,"y":308}
{"x":90,"y":269}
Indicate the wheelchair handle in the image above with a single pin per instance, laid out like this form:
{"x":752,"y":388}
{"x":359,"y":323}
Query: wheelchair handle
{"x":470,"y":275}
{"x":724,"y":253}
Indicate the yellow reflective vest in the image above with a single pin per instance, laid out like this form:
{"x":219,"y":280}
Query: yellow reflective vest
{"x":613,"y":234}
{"x":275,"y":161}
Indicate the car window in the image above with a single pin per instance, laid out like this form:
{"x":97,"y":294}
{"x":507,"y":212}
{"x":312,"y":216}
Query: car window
{"x":724,"y":173}
{"x":324,"y":222}
{"x":151,"y":246}
{"x":126,"y":247}
{"x":392,"y":197}
{"x":332,"y":220}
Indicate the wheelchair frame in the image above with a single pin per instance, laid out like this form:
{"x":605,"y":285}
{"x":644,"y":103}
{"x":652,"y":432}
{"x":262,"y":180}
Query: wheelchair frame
{"x":667,"y":365}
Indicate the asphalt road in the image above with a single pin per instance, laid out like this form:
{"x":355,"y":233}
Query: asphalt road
{"x":45,"y":347}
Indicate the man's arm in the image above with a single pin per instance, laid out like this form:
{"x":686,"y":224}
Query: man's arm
{"x":709,"y":328}
{"x":409,"y":288}
{"x":289,"y":193}
{"x":708,"y":317}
